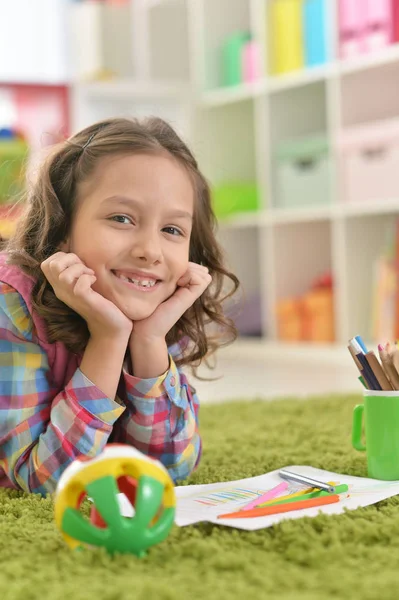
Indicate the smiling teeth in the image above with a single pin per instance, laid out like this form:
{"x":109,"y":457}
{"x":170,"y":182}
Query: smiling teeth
{"x":143,"y":282}
{"x":140,"y":282}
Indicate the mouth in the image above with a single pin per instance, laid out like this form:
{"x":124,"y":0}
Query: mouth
{"x":143,"y":283}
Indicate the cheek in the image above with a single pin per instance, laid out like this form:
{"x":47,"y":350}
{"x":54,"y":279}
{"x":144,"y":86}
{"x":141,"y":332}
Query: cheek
{"x":177,"y":260}
{"x":180,"y":267}
{"x":93,"y":251}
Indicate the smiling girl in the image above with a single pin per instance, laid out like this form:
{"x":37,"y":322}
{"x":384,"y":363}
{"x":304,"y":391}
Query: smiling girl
{"x":106,"y":291}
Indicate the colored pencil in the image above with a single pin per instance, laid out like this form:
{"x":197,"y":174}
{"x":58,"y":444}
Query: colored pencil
{"x":339,"y":489}
{"x":387,"y":365}
{"x":281,"y":508}
{"x":301,"y":493}
{"x":378,"y":371}
{"x":295,"y":495}
{"x":362,"y":377}
{"x":281,"y":487}
{"x":362,"y":381}
{"x":361,"y":344}
{"x":367,"y":373}
{"x":394,"y":354}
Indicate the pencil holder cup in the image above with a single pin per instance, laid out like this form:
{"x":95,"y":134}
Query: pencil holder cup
{"x":380,"y":413}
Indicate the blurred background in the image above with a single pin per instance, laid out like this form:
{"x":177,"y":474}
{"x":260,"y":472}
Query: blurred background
{"x":292,"y":109}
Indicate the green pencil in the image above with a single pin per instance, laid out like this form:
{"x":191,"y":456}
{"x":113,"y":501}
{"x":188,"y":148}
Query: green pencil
{"x":361,"y":379}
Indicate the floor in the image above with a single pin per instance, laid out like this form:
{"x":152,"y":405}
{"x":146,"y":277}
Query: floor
{"x":248,"y":370}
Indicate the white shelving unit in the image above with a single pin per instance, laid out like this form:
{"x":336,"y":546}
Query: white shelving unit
{"x":172,"y":69}
{"x":295,"y":245}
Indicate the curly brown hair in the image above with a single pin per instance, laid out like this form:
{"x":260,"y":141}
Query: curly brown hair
{"x":46,"y":222}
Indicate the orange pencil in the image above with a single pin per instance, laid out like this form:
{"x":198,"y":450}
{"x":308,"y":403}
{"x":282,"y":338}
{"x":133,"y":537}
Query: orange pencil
{"x":281,"y":508}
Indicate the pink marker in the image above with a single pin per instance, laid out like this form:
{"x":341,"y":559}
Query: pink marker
{"x":281,"y":487}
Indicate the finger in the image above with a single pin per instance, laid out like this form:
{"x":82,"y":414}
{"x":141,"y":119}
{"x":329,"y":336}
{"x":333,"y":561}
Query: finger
{"x":193,"y":277}
{"x":185,"y":296}
{"x":185,"y":279}
{"x":58,"y":262}
{"x":207,"y":280}
{"x":83,"y":285}
{"x":44,"y":265}
{"x":196,"y":266}
{"x":59,"y":265}
{"x":72,"y":273}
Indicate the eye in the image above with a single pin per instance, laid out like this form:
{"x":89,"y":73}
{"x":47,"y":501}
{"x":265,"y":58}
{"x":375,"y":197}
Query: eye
{"x":172,"y":230}
{"x":121,"y":219}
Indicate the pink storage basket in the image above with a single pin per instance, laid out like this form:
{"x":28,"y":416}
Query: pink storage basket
{"x":379,"y":24}
{"x":369,"y":162}
{"x":395,"y":21}
{"x":352,"y":25}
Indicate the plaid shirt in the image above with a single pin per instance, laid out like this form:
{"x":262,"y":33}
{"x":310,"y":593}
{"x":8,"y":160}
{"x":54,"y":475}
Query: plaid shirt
{"x":43,"y":430}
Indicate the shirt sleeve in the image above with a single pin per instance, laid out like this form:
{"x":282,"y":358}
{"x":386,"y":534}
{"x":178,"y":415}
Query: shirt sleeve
{"x":42,"y":431}
{"x":161,"y":420}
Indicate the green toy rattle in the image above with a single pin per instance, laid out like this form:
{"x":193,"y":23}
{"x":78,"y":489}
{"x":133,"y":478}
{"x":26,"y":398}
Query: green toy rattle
{"x":118,"y":469}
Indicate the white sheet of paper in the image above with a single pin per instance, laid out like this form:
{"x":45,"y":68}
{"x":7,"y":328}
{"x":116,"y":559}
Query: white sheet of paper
{"x":197,"y":503}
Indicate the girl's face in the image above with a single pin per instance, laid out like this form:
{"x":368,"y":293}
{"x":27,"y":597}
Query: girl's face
{"x":132,"y":227}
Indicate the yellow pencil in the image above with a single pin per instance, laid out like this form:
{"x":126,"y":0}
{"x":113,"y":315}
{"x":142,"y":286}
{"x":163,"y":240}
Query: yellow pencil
{"x":307,"y":491}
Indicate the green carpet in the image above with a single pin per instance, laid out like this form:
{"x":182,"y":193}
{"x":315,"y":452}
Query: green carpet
{"x":349,"y":556}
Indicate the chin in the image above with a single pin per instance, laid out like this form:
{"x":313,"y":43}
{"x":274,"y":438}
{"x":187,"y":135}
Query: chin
{"x":137,"y":314}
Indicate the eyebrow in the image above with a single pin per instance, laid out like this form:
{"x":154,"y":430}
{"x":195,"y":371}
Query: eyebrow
{"x":137,"y":204}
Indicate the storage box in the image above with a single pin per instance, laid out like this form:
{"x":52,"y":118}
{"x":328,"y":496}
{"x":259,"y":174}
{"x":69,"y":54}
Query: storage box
{"x":314,"y":23}
{"x":352,"y":26}
{"x":286,"y":34}
{"x":303,"y":172}
{"x":369,"y":162}
{"x":378,"y":33}
{"x":234,"y":197}
{"x":395,"y":21}
{"x":289,"y":320}
{"x":250,"y":62}
{"x":318,"y":316}
{"x":248,"y":316}
{"x":232,"y":58}
{"x":13,"y":154}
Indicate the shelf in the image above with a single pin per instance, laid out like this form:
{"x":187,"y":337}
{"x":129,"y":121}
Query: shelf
{"x":301,"y":214}
{"x":370,"y":208}
{"x":281,"y":216}
{"x":245,"y":91}
{"x":55,"y":82}
{"x":127,"y":88}
{"x":154,"y":3}
{"x":227,"y":95}
{"x":295,"y":79}
{"x":368,"y":61}
{"x":258,"y":348}
{"x":241,"y":220}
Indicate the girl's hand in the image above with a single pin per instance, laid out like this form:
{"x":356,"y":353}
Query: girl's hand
{"x":190,"y":287}
{"x":71,"y":281}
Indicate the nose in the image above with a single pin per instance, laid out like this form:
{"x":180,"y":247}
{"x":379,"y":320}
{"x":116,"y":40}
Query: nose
{"x":147,"y":246}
